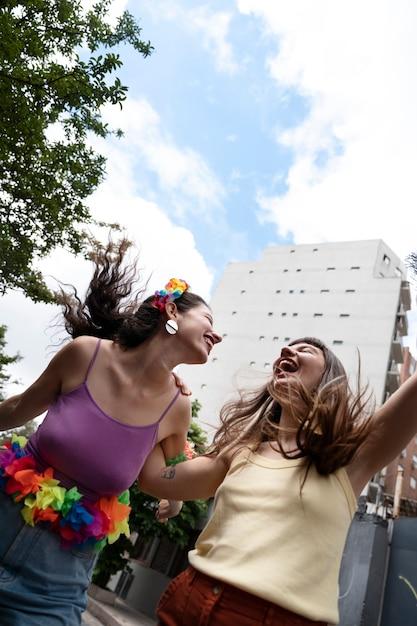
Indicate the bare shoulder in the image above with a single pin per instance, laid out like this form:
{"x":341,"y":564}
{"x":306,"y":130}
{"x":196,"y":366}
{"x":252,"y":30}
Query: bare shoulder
{"x":181,"y":411}
{"x":74,"y":359}
{"x":76,"y":351}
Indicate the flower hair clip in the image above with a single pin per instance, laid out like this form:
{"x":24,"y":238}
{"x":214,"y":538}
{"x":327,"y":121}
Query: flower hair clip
{"x":172,"y":290}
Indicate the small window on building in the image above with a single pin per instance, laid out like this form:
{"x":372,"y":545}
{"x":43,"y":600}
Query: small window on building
{"x":350,"y":290}
{"x":344,"y":315}
{"x":261,"y":337}
{"x":292,"y":250}
{"x":251,"y":271}
{"x":315,"y":249}
{"x":403,"y":453}
{"x":337,"y":342}
{"x":286,"y":338}
{"x":243,"y":291}
{"x":224,"y":335}
{"x":398,"y":272}
{"x":324,"y":290}
{"x":266,"y":364}
{"x":278,"y":291}
{"x":386,"y":260}
{"x":330,"y":269}
{"x":318,"y":314}
{"x":275,"y":338}
{"x":302,"y":291}
{"x":270,"y":313}
{"x":203,"y":385}
{"x":298,"y":269}
{"x":295,"y":314}
{"x":283,"y":314}
{"x":413,"y":482}
{"x":291,"y":291}
{"x":355,"y":267}
{"x":234,"y":312}
{"x":214,"y":359}
{"x":285,"y":270}
{"x":252,"y":363}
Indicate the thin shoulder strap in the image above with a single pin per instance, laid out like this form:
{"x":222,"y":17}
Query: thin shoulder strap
{"x":92,"y":360}
{"x":169,"y":406}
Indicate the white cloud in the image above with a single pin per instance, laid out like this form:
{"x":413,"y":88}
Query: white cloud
{"x":354,"y":154}
{"x":212,"y":27}
{"x":181,"y":171}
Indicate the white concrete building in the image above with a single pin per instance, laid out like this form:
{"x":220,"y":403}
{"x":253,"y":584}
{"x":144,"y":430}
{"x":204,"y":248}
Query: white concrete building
{"x":352,"y":295}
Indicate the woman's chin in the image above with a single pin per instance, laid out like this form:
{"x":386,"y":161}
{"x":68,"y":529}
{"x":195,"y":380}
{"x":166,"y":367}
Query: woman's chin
{"x":198,"y":358}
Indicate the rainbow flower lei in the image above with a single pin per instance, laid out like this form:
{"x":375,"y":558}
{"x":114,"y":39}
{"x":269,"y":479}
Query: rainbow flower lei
{"x":172,"y":290}
{"x":77,"y":520}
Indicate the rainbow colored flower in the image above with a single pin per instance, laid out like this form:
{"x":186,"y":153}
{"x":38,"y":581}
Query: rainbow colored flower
{"x":76,"y":519}
{"x":174,"y":288}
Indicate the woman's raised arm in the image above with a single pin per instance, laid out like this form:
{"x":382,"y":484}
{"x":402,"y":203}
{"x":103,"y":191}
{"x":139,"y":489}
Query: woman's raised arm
{"x":394,"y":425}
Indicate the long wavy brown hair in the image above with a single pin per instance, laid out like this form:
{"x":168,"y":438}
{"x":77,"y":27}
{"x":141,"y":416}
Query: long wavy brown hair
{"x":331,"y":422}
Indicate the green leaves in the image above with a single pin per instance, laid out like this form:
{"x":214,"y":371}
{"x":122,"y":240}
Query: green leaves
{"x":5,"y":360}
{"x":56,"y":67}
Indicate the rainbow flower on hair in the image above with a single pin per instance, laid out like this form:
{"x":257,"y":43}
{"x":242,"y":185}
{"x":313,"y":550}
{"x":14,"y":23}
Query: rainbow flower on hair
{"x":174,"y":288}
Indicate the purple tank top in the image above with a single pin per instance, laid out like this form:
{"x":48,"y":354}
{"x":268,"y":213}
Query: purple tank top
{"x":88,"y":448}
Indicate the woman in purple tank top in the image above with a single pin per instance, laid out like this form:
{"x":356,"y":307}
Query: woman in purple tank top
{"x":110,"y":396}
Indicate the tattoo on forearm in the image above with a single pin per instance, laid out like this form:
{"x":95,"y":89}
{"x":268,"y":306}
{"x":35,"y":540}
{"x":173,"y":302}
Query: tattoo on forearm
{"x":168,"y":472}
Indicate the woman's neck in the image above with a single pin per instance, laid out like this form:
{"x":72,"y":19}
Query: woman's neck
{"x":151,"y":362}
{"x":288,"y":431}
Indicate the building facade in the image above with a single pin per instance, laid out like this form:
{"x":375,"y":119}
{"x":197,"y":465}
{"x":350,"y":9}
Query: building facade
{"x":352,"y":295}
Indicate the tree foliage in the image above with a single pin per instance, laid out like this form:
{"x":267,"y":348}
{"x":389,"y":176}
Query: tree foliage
{"x":5,"y":360}
{"x":57,"y":62}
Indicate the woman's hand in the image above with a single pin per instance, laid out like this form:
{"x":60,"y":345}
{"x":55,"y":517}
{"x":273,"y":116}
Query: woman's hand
{"x":167,"y":509}
{"x":181,"y":384}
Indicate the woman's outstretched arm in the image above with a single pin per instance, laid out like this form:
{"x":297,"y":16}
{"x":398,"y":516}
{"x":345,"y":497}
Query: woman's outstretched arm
{"x":394,"y":425}
{"x":190,"y":480}
{"x":69,"y":363}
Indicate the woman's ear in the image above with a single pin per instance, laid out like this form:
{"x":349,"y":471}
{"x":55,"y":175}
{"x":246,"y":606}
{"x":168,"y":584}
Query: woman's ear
{"x":171,"y":310}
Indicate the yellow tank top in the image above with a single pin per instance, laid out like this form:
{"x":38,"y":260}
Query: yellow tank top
{"x":265,"y":539}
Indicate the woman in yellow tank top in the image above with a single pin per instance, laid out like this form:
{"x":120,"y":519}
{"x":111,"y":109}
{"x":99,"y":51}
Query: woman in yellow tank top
{"x":286,"y":468}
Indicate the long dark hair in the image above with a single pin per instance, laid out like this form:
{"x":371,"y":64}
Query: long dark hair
{"x":331,"y":425}
{"x":112,"y":309}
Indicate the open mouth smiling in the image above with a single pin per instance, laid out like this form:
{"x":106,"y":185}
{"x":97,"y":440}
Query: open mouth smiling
{"x":285,"y":366}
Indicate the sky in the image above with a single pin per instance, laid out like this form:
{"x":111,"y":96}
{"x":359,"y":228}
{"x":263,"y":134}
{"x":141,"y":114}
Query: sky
{"x":253,"y":123}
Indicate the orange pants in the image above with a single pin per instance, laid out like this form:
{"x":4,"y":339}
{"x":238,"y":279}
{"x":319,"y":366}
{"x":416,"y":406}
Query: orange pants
{"x":194,"y":599}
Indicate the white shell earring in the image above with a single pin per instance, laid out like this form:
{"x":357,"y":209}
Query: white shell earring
{"x":171,"y":327}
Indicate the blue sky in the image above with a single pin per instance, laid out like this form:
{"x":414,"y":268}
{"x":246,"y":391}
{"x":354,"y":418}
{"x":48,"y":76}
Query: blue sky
{"x":229,"y":116}
{"x":271,"y":99}
{"x":253,"y":123}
